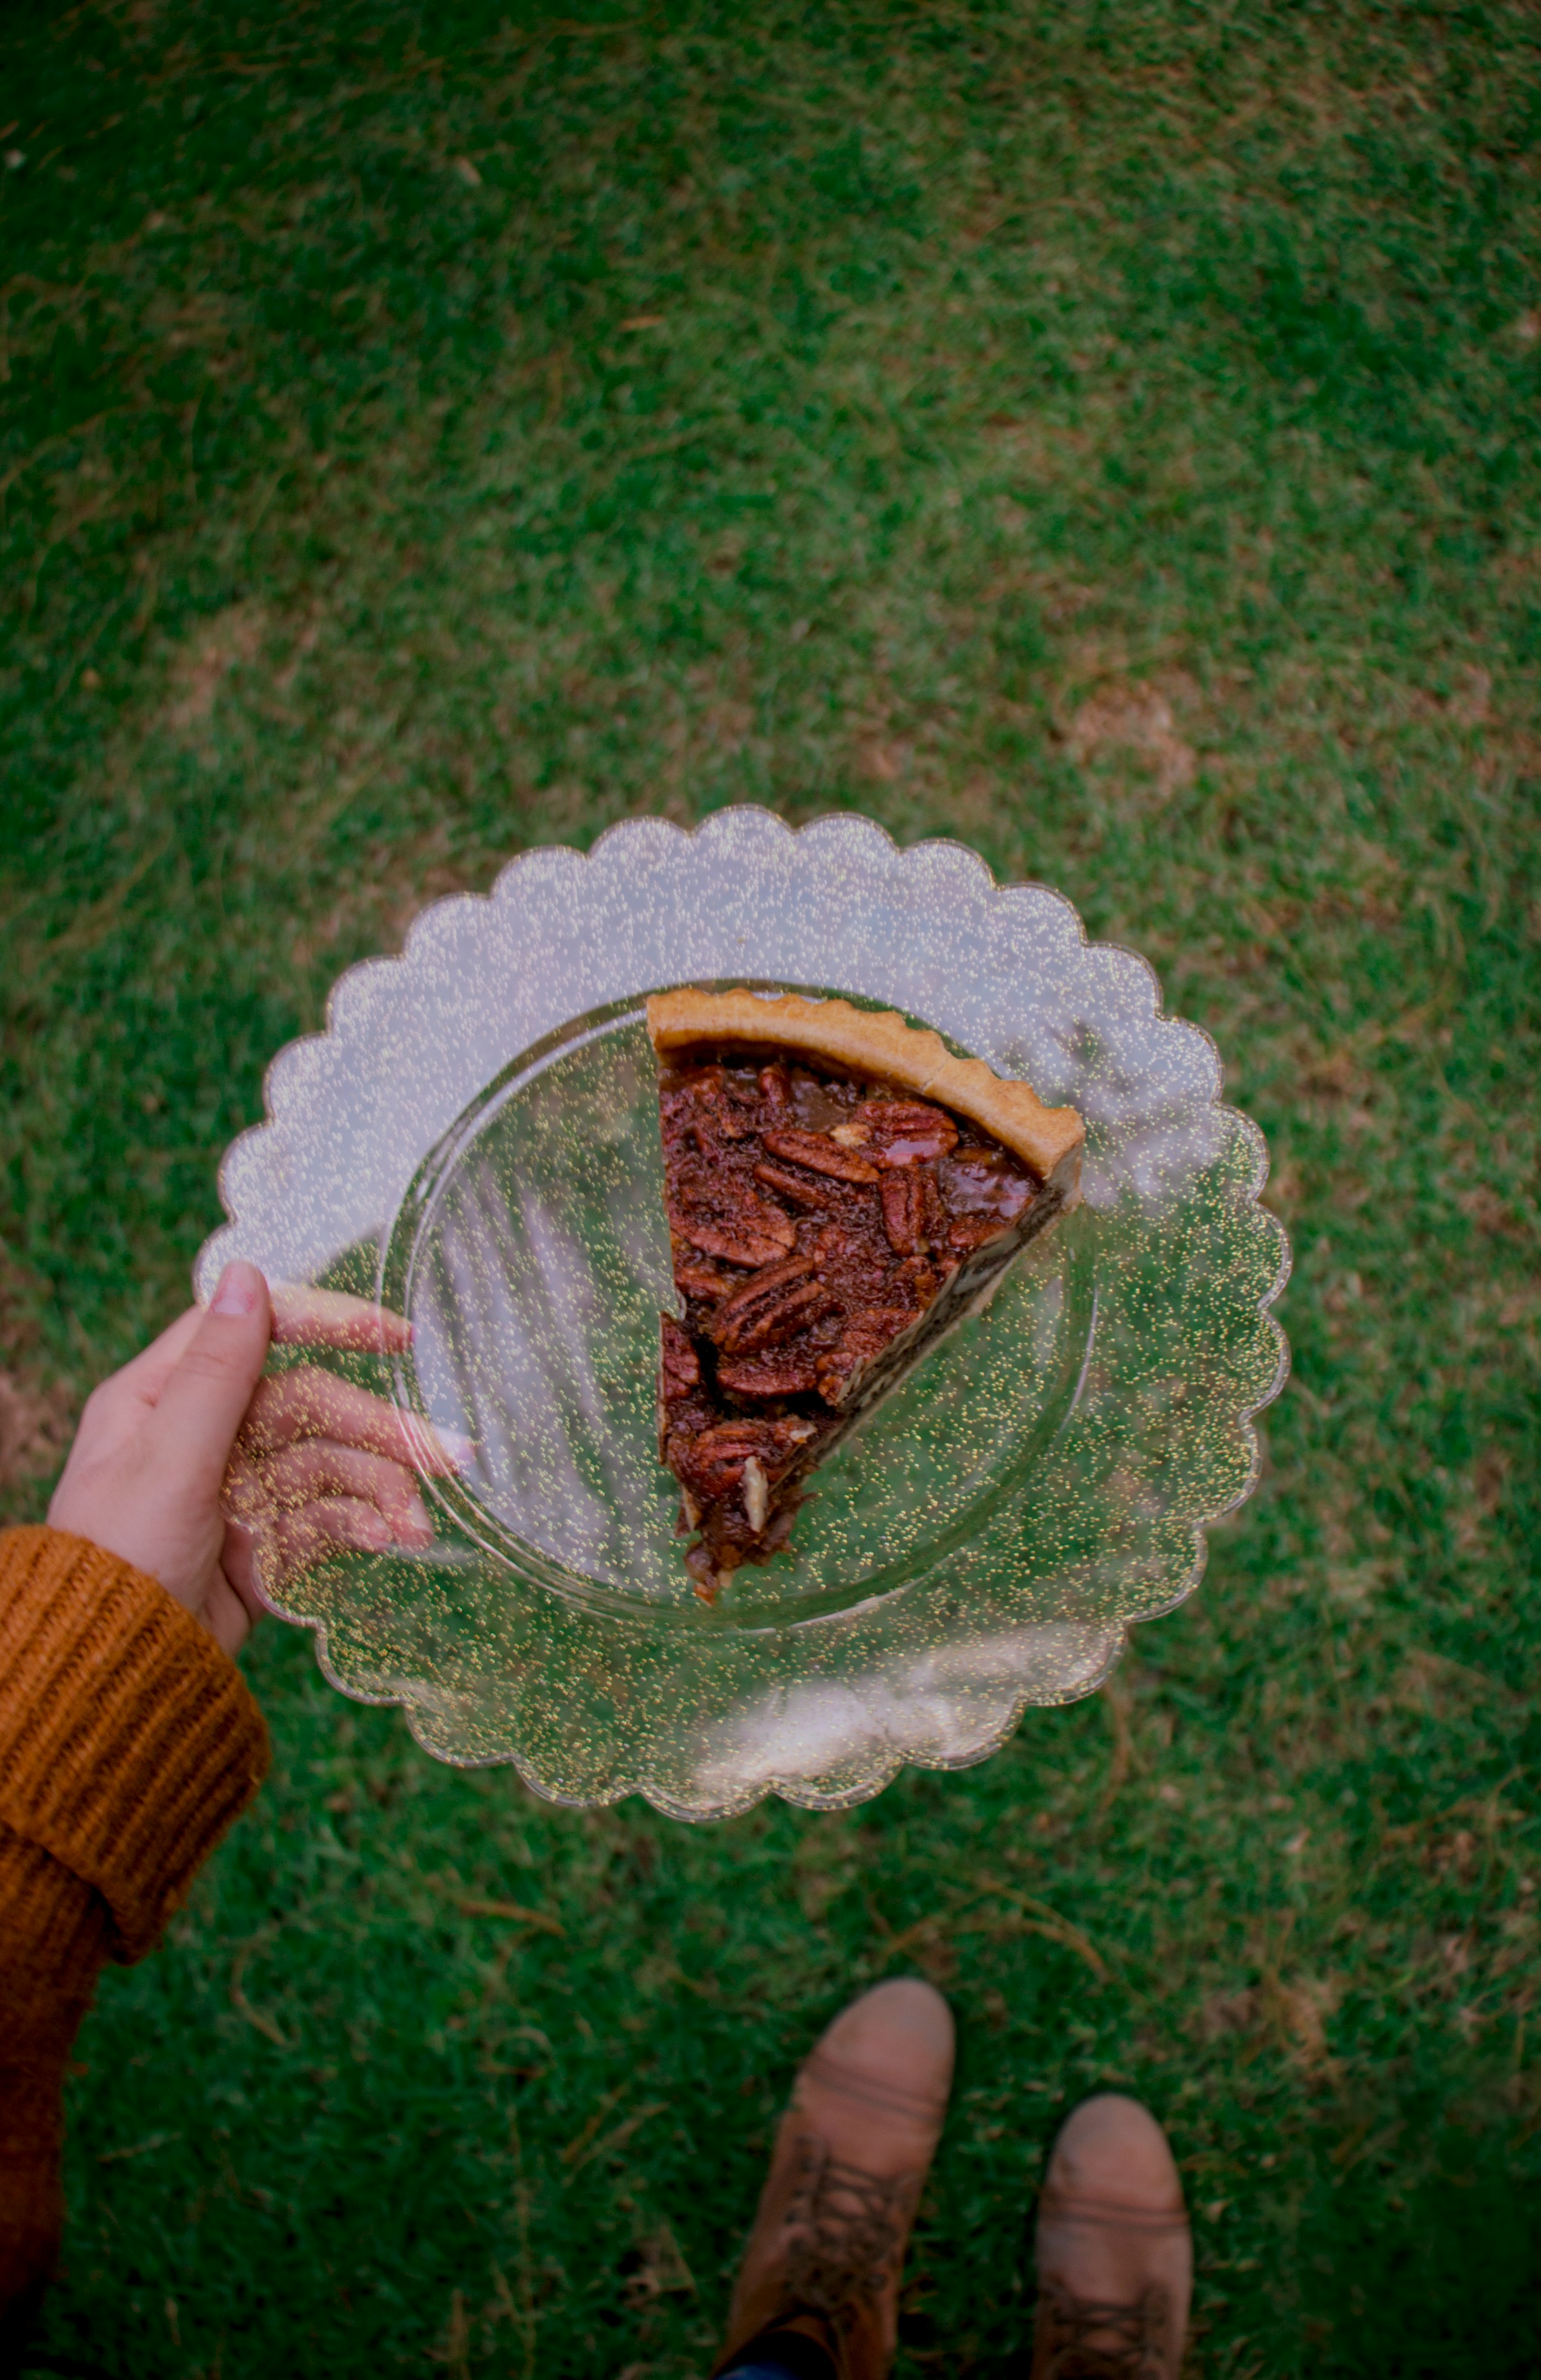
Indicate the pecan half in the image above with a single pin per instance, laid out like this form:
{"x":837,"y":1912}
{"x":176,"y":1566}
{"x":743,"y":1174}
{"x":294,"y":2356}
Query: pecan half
{"x":820,"y":1154}
{"x":710,"y":1205}
{"x":682,"y":1368}
{"x":747,"y":1247}
{"x":907,"y":1132}
{"x":801,"y":1192}
{"x":903,"y":1197}
{"x":772,"y":1307}
{"x":791,"y":1310}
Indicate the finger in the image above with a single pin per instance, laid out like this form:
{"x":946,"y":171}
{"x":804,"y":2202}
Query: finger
{"x":308,"y":1403}
{"x":313,"y":1468}
{"x":243,"y":1491}
{"x":298,"y":1541}
{"x":257,"y":1495}
{"x":284,"y":1546}
{"x":329,"y":1318}
{"x":320,"y":1466}
{"x":242,"y":1560}
{"x":192,"y":1430}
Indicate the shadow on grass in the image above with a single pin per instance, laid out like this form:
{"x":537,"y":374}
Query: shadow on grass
{"x":1452,"y":2290}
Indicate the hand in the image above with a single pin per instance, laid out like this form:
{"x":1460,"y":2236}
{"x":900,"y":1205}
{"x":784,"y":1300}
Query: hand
{"x":321,"y":1464}
{"x":324,"y":1463}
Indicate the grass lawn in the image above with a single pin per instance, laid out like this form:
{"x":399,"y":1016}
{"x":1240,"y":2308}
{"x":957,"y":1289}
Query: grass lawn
{"x":1106,"y":432}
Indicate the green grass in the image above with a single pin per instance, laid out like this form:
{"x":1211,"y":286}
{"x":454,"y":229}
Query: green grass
{"x":1106,"y":432}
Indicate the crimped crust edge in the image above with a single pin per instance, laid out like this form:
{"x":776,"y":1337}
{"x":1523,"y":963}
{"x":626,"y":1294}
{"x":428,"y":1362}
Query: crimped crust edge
{"x":878,"y":1042}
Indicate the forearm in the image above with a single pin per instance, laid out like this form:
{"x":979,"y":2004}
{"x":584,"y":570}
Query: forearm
{"x":55,"y":1935}
{"x":129,"y":1743}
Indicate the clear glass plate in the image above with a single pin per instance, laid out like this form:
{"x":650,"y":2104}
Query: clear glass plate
{"x":473,"y":1143}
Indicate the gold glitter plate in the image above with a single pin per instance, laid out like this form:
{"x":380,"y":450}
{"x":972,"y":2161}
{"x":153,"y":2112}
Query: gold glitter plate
{"x":473,"y":1143}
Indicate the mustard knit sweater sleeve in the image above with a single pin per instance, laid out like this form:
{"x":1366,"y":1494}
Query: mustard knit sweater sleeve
{"x":129,"y":1743}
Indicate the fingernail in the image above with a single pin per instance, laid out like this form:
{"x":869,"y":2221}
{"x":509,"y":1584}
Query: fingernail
{"x":375,"y":1530}
{"x":460,"y":1450}
{"x":414,"y":1528}
{"x":240,"y":1286}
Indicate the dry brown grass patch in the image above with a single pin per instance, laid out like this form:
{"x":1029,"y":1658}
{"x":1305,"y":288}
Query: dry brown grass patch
{"x":1138,"y":720}
{"x":235,"y":635}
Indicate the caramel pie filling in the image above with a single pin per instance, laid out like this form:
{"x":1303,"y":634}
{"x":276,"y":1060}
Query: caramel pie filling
{"x":825,"y":1229}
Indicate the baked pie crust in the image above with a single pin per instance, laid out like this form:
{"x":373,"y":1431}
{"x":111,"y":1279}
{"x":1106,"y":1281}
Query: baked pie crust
{"x":878,"y":1043}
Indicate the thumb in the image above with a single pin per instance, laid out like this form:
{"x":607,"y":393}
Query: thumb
{"x":204,"y":1402}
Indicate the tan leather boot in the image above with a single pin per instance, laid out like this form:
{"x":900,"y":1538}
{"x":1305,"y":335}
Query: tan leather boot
{"x":846,"y":2172}
{"x":1114,"y":2250}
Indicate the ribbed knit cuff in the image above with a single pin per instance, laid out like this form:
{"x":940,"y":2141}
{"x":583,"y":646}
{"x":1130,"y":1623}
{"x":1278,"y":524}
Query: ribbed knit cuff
{"x":128,"y":1742}
{"x":54,"y":1933}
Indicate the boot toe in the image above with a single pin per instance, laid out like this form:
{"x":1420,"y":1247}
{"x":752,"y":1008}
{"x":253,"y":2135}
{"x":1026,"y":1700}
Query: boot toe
{"x":1112,"y":2148}
{"x":900,"y":2032}
{"x":1114,"y":2251}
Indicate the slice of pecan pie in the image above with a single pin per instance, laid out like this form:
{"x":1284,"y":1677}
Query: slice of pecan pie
{"x":841,"y":1191}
